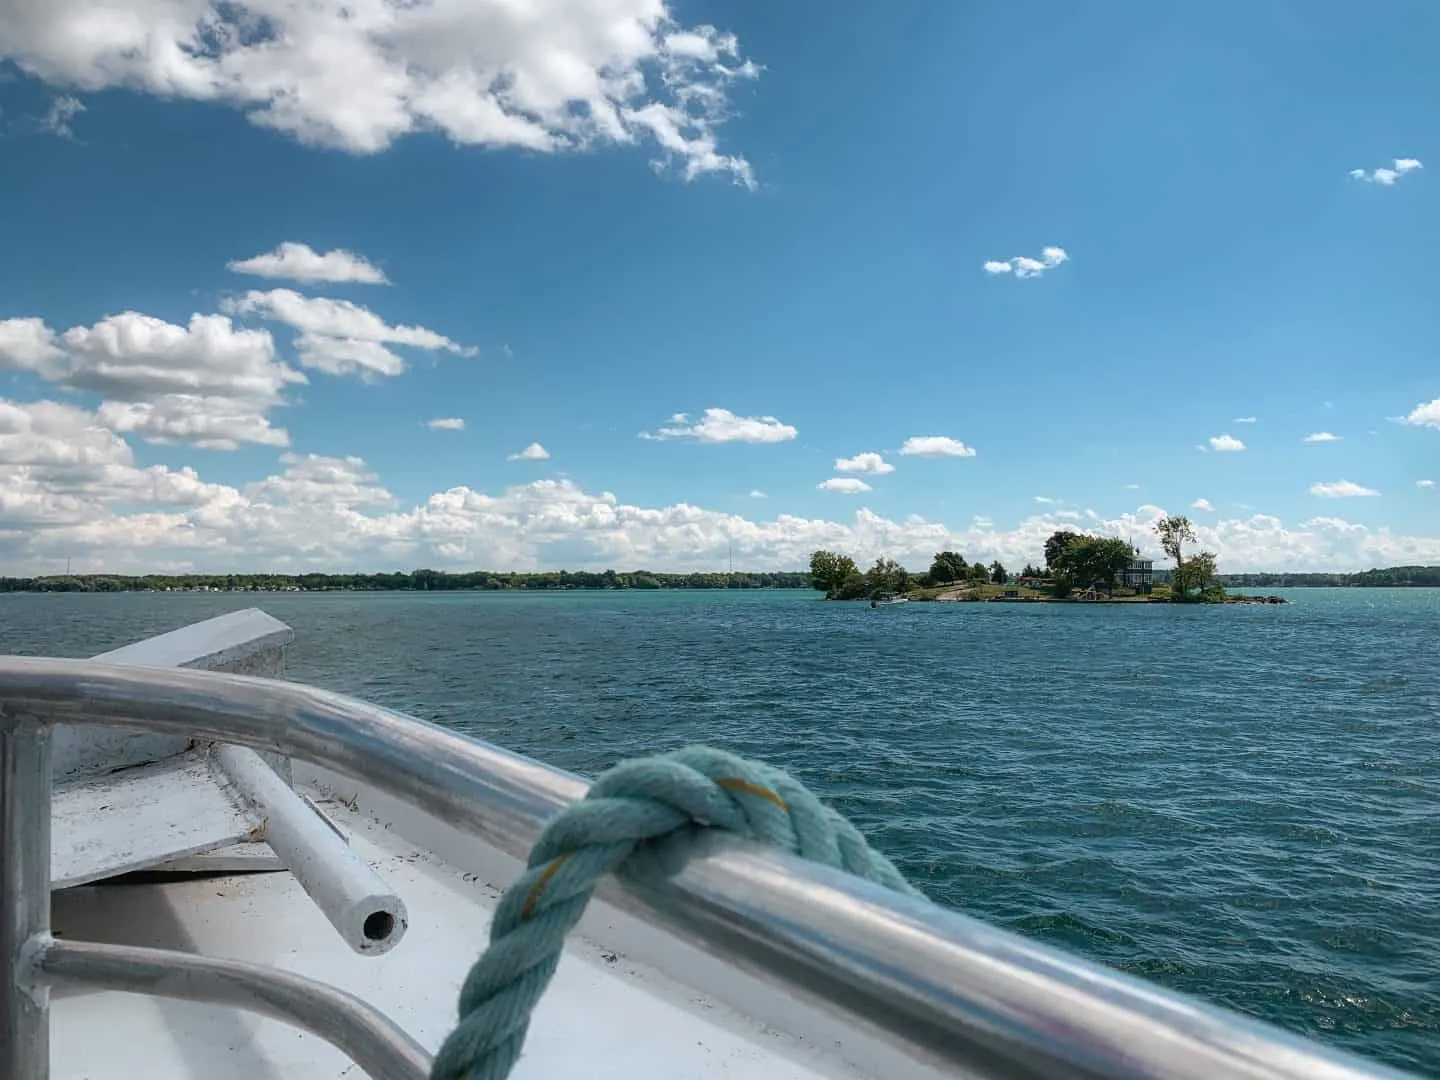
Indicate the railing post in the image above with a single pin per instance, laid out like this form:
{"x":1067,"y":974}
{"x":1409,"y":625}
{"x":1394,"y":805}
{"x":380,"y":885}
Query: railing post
{"x":24,"y":897}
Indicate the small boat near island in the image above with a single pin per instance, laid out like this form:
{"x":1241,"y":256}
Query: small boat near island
{"x":888,"y":601}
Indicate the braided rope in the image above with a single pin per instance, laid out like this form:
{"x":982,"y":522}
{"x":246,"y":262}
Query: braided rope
{"x":636,"y":804}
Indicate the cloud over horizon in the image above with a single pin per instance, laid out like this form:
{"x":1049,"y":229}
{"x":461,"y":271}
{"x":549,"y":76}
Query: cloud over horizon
{"x":70,"y":487}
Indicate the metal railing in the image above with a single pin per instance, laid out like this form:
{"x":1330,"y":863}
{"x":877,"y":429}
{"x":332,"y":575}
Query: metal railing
{"x":944,"y":988}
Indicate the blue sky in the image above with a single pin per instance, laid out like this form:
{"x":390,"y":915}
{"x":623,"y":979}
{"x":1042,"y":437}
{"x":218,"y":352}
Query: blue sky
{"x":809,"y":245}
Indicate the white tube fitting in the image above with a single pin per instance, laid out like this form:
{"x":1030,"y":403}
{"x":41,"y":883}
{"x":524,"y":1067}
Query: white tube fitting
{"x":369,"y":916}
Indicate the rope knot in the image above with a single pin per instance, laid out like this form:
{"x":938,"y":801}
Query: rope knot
{"x":638,"y":804}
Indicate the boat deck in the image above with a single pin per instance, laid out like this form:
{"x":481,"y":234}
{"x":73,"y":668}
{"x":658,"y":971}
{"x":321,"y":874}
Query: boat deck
{"x":605,"y":1015}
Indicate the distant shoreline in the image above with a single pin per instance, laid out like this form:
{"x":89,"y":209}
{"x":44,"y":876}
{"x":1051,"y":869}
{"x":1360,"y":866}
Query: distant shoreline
{"x":602,"y":581}
{"x":412,"y":581}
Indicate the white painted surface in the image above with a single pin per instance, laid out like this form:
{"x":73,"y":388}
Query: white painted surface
{"x":217,"y":644}
{"x":128,"y":800}
{"x":247,"y":642}
{"x":604,"y":1016}
{"x":141,"y":817}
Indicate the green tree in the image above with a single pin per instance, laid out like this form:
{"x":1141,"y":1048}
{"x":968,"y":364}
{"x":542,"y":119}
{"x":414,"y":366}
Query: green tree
{"x":1091,"y":560}
{"x":1031,"y":571}
{"x":829,"y":571}
{"x":1056,"y":545}
{"x":887,"y":575}
{"x":948,"y":566}
{"x":1108,"y":556}
{"x":1195,"y":578}
{"x":979,"y":572}
{"x":1174,"y":532}
{"x":998,"y":574}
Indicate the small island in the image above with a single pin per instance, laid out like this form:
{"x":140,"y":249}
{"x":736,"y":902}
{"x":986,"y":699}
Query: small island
{"x":1079,"y":568}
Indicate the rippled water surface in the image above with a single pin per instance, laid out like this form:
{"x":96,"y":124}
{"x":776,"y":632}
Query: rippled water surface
{"x":1238,"y":802}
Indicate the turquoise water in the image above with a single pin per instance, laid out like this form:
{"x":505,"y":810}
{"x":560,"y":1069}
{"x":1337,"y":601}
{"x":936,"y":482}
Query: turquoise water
{"x":1237,"y":802}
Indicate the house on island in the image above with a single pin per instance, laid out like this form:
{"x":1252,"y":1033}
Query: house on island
{"x":1139,"y":575}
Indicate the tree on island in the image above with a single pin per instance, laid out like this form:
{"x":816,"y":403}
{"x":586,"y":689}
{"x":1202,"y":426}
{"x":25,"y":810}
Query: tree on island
{"x":831,"y":573}
{"x":1175,"y":531}
{"x":1081,"y":561}
{"x":887,"y":576}
{"x":840,"y":579}
{"x":1197,"y":576}
{"x":1031,"y":571}
{"x":948,"y":566}
{"x":998,"y":576}
{"x":1057,"y":543}
{"x":1194,"y":577}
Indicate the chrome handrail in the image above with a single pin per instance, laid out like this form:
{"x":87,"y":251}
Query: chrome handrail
{"x":943,"y":987}
{"x":374,"y":1042}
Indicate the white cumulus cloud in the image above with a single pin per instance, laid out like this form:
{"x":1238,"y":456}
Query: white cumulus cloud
{"x":935,"y":446}
{"x":1321,"y":436}
{"x":208,"y":422}
{"x":300,"y":262}
{"x":446,"y":423}
{"x":62,"y":468}
{"x":533,"y":452}
{"x":1340,"y":489}
{"x":1426,"y":414}
{"x":868,"y":462}
{"x":1201,"y":504}
{"x":1226,"y":443}
{"x":722,"y":426}
{"x":1387,"y":177}
{"x":339,"y":337}
{"x":1425,"y":483}
{"x":70,"y":487}
{"x":1245,"y":419}
{"x":1024,"y":267}
{"x":347,"y":356}
{"x":756,"y":493}
{"x":28,"y":344}
{"x":545,"y":75}
{"x":208,"y":383}
{"x":846,"y":485}
{"x":326,"y":482}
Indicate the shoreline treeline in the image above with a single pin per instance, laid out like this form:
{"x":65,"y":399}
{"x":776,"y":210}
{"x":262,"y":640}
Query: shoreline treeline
{"x":411,"y":581}
{"x":439,"y":580}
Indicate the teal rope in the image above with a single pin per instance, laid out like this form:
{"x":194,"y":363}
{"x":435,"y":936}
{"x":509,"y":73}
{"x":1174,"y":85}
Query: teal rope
{"x":636,"y":804}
